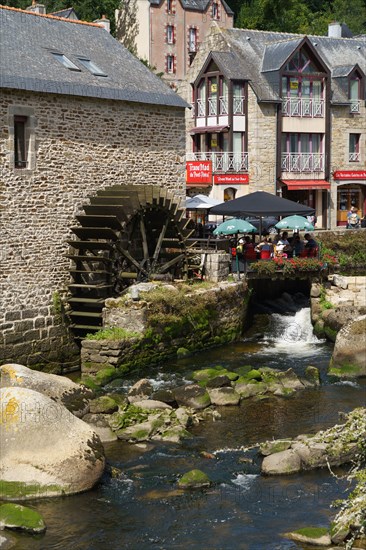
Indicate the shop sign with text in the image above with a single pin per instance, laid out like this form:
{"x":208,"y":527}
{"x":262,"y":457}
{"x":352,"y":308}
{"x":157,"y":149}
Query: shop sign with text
{"x":349,"y":174}
{"x":199,"y":171}
{"x":231,"y":178}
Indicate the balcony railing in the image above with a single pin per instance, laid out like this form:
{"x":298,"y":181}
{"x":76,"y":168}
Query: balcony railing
{"x":302,"y":162}
{"x":355,"y":106}
{"x":354,"y":157}
{"x":223,"y":162}
{"x":238,"y":106}
{"x":303,"y":107}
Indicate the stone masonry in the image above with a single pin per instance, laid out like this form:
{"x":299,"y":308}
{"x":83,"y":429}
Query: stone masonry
{"x":80,"y":145}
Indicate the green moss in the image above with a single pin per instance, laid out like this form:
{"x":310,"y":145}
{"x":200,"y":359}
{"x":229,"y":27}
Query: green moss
{"x":243,"y":371}
{"x":56,"y":303}
{"x":319,"y":328}
{"x":183,"y":352}
{"x":17,"y":490}
{"x":344,"y":370}
{"x":15,"y":516}
{"x":105,"y":375}
{"x":194,"y":479}
{"x":330,"y":333}
{"x":253,"y":375}
{"x":313,"y":532}
{"x":113,"y":333}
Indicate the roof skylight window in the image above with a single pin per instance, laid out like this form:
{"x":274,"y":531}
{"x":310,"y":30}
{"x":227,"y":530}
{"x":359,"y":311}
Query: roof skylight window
{"x":61,"y":58}
{"x":92,"y":67}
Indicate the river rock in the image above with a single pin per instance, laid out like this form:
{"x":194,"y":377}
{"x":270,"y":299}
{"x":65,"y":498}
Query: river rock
{"x":284,"y":462}
{"x":141,"y":390}
{"x":219,"y":381}
{"x":99,"y":423}
{"x":223,"y":396}
{"x":315,"y":536}
{"x":340,"y":281}
{"x":7,"y":541}
{"x":45,"y":450}
{"x":349,"y":352}
{"x":141,"y":431}
{"x":312,"y":375}
{"x":75,"y":397}
{"x":192,"y":396}
{"x":276,"y":446}
{"x":164,"y":395}
{"x":149,"y":404}
{"x":246,"y":389}
{"x":103,"y":404}
{"x":315,"y":290}
{"x":195,"y":479}
{"x":21,"y":518}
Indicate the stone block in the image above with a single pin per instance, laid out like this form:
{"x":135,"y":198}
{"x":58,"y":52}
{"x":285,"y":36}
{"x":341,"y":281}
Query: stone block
{"x":12,"y":316}
{"x":29,"y":313}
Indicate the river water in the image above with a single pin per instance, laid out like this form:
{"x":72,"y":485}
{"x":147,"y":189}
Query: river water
{"x":242,"y":510}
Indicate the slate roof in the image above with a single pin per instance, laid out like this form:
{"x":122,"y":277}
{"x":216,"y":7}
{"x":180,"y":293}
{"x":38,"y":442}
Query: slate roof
{"x":196,"y":5}
{"x":27,"y":41}
{"x":260,"y":55}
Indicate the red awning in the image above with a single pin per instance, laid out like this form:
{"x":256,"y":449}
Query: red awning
{"x":293,"y":185}
{"x":209,"y":129}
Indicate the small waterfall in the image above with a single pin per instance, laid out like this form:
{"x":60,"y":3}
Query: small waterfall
{"x":292,"y":333}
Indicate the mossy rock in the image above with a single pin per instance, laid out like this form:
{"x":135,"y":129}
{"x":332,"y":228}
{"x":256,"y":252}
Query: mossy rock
{"x":183,"y":352}
{"x":103,"y":404}
{"x":277,"y":446}
{"x":312,"y":375}
{"x":318,"y":536}
{"x":243,"y":371}
{"x":206,"y":374}
{"x":330,"y":333}
{"x":15,"y":516}
{"x":195,"y":479}
{"x":254,"y":374}
{"x":318,"y":328}
{"x":105,"y":375}
{"x":345,"y":370}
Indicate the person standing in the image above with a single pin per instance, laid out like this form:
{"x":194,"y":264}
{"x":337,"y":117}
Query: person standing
{"x":353,"y":219}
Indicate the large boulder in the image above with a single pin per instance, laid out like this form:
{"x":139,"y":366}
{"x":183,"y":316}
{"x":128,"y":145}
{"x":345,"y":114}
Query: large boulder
{"x":223,"y":396}
{"x":141,"y":390}
{"x":284,"y":462}
{"x":349,"y":354}
{"x":74,"y":397}
{"x":45,"y":450}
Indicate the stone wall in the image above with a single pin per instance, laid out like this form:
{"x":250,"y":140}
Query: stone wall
{"x":215,"y":316}
{"x":343,"y":124}
{"x":80,"y":145}
{"x":262,"y":144}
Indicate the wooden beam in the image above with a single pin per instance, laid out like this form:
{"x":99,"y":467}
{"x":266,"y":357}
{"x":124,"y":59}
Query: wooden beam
{"x":171,"y":262}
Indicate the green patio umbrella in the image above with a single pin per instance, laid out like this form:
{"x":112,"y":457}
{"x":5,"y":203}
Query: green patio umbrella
{"x":234,"y":226}
{"x":296,"y":223}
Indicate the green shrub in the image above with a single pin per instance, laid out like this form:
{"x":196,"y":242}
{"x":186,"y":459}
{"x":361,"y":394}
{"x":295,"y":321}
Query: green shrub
{"x":113,"y":333}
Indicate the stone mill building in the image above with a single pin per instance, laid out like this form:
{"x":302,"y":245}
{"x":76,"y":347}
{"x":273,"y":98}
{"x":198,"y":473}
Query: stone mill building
{"x":79,"y":114}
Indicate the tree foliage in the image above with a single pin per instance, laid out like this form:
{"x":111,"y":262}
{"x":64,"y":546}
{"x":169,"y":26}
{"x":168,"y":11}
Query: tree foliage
{"x":295,"y":16}
{"x":299,"y":16}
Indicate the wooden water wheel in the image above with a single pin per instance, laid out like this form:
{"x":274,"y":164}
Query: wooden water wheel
{"x":127,"y":234}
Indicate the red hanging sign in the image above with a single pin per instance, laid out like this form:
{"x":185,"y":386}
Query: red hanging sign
{"x":231,"y":178}
{"x":199,"y":171}
{"x":349,"y":174}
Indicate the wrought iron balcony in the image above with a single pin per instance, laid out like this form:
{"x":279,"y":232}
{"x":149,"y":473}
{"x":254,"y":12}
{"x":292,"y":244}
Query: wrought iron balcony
{"x":302,"y":162}
{"x":223,"y":162}
{"x":303,"y":107}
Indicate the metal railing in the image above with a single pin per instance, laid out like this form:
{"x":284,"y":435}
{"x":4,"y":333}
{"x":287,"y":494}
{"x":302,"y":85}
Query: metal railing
{"x":355,"y":106}
{"x":303,"y":107}
{"x":302,"y":162}
{"x":354,"y":157}
{"x":223,"y":162}
{"x":238,"y":106}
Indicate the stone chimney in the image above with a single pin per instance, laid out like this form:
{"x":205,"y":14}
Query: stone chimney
{"x":339,"y":30}
{"x":36,"y":8}
{"x":104,"y":22}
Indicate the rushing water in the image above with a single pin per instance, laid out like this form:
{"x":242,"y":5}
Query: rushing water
{"x":242,"y":510}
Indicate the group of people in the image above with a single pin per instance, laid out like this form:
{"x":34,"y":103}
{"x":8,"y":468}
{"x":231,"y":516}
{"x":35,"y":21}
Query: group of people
{"x":282,"y":246}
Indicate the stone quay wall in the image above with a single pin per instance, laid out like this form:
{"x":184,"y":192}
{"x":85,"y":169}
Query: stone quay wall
{"x":77,"y":146}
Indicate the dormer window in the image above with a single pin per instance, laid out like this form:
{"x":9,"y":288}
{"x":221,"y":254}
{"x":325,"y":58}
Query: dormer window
{"x":215,"y":10}
{"x":355,"y":93}
{"x":65,"y":61}
{"x":91,"y":66}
